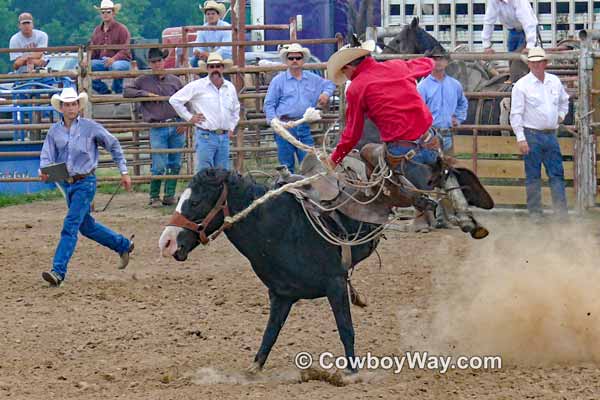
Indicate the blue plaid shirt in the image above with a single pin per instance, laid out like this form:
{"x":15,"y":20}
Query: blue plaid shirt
{"x":215,"y":36}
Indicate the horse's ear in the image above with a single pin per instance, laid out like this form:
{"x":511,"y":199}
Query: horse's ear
{"x":355,"y":41}
{"x":221,"y":175}
{"x":414,"y":23}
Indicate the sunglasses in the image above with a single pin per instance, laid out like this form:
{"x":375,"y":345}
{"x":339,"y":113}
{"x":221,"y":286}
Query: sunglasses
{"x":298,"y":58}
{"x":26,"y":23}
{"x":215,"y":66}
{"x":106,"y":11}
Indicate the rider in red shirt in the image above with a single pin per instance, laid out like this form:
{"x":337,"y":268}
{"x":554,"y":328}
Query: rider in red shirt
{"x":387,"y":94}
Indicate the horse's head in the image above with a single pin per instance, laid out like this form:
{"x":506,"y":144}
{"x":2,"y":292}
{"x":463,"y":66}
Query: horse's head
{"x":411,"y":40}
{"x":192,"y":217}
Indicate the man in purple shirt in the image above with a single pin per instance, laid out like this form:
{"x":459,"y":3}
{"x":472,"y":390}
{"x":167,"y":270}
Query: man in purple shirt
{"x":74,"y":141}
{"x":110,"y":32}
{"x":168,"y":137}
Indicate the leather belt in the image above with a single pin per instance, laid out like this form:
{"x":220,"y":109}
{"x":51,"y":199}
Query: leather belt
{"x":540,"y":130}
{"x":166,"y":120}
{"x":216,"y":131}
{"x":78,"y":177}
{"x":404,"y":143}
{"x":286,"y":118}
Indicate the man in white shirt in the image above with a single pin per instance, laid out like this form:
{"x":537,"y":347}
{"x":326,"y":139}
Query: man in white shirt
{"x":517,"y":16}
{"x":27,"y":37}
{"x":539,"y":104}
{"x":215,"y":113}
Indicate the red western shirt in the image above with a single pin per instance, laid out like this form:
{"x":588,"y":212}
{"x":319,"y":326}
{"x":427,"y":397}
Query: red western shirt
{"x":117,"y":33}
{"x":386,"y":93}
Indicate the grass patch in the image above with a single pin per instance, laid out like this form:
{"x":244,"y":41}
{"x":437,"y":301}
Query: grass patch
{"x":7,"y":200}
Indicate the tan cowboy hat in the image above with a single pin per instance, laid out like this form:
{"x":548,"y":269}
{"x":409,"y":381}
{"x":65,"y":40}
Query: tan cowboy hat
{"x":344,"y":56}
{"x":293,"y":48}
{"x":106,"y":4}
{"x":535,"y":54}
{"x":213,"y":5}
{"x":68,"y":95}
{"x":214,"y":58}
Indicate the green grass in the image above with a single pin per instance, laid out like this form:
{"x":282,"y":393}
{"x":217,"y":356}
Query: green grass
{"x":17,"y":199}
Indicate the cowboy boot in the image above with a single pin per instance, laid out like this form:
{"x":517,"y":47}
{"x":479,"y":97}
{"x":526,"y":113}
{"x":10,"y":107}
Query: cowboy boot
{"x":155,"y":193}
{"x":170,"y":187}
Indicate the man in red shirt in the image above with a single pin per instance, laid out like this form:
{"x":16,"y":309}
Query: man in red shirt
{"x":387,"y":94}
{"x":110,"y":31}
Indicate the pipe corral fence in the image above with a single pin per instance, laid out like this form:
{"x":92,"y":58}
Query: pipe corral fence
{"x":494,"y":158}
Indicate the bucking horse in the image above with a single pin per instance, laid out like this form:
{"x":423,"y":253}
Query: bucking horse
{"x":305,"y":235}
{"x":284,"y":250}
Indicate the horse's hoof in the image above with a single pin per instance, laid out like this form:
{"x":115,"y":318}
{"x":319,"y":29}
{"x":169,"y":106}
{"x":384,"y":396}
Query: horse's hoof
{"x":358,"y":300}
{"x":479,"y":232}
{"x":254,"y":369}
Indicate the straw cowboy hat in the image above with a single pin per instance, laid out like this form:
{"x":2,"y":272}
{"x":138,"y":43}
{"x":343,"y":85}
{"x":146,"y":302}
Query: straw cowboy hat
{"x":293,"y":48}
{"x":344,"y":56}
{"x":106,"y":4}
{"x":214,"y":58}
{"x":68,"y":95}
{"x":213,"y":5}
{"x":535,"y":54}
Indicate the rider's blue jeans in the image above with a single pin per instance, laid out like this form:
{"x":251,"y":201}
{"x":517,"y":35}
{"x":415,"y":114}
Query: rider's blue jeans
{"x":413,"y":169}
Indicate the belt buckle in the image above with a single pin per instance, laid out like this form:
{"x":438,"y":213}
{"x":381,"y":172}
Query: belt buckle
{"x":70,"y":180}
{"x":410,"y":154}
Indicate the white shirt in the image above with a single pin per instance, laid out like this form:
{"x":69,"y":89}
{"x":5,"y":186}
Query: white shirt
{"x":220,"y":107}
{"x":536,"y":104}
{"x":513,"y":14}
{"x":18,"y":40}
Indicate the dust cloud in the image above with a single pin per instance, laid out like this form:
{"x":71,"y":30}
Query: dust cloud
{"x":528,"y":293}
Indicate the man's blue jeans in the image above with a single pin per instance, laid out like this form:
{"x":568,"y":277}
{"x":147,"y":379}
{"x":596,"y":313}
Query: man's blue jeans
{"x":544,"y":149}
{"x":79,"y":200}
{"x":286,"y":150}
{"x":516,"y":39}
{"x":212,"y":150}
{"x":414,"y":170}
{"x":117,"y":86}
{"x":166,"y":138}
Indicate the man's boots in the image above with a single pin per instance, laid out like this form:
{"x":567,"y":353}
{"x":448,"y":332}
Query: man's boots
{"x":155,"y":193}
{"x":170,"y":187}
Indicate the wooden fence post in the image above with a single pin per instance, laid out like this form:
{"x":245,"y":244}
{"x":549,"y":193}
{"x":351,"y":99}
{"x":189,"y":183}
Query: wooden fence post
{"x":585,"y":145}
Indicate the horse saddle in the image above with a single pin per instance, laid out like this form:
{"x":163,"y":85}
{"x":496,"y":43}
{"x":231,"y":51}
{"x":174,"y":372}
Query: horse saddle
{"x":331,"y":191}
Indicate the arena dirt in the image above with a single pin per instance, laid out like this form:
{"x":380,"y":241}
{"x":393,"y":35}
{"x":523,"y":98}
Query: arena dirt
{"x":168,"y":330}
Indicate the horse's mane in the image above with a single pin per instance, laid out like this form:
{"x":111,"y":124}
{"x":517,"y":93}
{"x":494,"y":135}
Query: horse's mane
{"x":240,"y":186}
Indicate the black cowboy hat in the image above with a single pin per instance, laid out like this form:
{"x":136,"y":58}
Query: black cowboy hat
{"x":155,"y":54}
{"x":437,"y":52}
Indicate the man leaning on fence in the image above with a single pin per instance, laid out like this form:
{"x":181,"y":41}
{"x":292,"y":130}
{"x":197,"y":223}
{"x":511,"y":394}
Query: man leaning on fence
{"x":215,"y":113}
{"x":517,"y":16}
{"x":213,"y":16}
{"x":108,"y":32}
{"x":290,"y":93}
{"x":168,"y":137}
{"x":27,"y":37}
{"x":539,"y":104}
{"x":74,"y":141}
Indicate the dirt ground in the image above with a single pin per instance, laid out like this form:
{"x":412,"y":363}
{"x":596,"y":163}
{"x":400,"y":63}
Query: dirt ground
{"x":168,"y":330}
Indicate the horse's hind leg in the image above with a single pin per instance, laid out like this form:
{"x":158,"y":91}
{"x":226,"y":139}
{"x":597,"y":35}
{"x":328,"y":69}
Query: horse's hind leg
{"x":337,"y":294}
{"x":280,"y":309}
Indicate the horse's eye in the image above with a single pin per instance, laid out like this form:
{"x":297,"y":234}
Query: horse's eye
{"x":195,"y":203}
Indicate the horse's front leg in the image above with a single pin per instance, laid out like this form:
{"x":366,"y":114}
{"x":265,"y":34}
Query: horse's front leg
{"x":337,"y":294}
{"x":280,"y":309}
